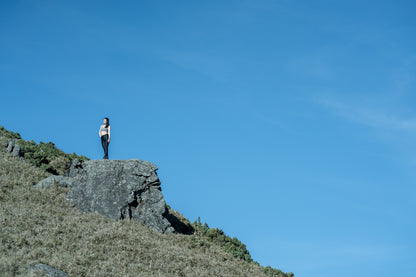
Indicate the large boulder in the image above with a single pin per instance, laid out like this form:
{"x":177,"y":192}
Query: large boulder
{"x":117,"y":189}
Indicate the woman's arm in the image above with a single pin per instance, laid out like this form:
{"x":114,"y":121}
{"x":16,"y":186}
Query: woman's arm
{"x":109,"y":133}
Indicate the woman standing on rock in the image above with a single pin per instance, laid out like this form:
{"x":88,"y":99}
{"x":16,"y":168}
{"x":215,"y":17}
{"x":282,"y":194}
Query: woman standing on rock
{"x":105,"y":136}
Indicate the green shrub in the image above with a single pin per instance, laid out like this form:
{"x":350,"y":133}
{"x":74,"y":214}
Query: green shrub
{"x":9,"y":134}
{"x":47,"y":156}
{"x":276,"y":272}
{"x":228,"y":244}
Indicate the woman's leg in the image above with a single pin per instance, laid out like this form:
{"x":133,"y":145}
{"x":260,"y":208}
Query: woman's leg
{"x":106,"y":147}
{"x":104,"y":143}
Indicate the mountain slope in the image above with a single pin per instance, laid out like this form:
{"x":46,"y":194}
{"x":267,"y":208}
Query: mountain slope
{"x":41,"y":226}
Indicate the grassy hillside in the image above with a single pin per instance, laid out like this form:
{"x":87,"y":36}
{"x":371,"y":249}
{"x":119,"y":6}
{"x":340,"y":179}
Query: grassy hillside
{"x":40,"y":226}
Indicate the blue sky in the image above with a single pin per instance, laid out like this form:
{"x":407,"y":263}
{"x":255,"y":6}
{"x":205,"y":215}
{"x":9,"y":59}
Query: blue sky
{"x":288,"y":124}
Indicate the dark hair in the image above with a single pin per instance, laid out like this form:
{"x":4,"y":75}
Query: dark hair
{"x":108,"y":122}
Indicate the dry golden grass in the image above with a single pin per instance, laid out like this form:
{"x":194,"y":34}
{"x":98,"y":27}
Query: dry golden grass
{"x":41,"y":226}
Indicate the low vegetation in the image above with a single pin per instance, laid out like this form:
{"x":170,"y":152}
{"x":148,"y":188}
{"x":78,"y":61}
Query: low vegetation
{"x":43,"y":155}
{"x":217,"y":236}
{"x":41,"y":226}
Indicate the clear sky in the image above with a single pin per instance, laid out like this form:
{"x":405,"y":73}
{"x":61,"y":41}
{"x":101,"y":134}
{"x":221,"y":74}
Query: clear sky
{"x":291,"y":125}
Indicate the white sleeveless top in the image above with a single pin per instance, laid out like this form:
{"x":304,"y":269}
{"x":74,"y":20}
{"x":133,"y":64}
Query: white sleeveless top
{"x":103,"y":129}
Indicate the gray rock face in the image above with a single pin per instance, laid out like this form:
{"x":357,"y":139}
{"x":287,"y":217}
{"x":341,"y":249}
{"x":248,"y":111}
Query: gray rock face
{"x":10,"y":145}
{"x":16,"y":151}
{"x":14,"y":148}
{"x":49,"y":271}
{"x":117,"y":189}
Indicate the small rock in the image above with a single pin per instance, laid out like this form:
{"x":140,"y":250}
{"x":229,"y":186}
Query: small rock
{"x":50,"y":271}
{"x":54,"y":180}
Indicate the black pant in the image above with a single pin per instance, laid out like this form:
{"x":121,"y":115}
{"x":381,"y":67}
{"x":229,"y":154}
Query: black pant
{"x":104,"y":143}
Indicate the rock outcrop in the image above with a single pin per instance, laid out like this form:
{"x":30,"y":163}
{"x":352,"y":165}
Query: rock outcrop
{"x":13,"y":148}
{"x":118,"y":189}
